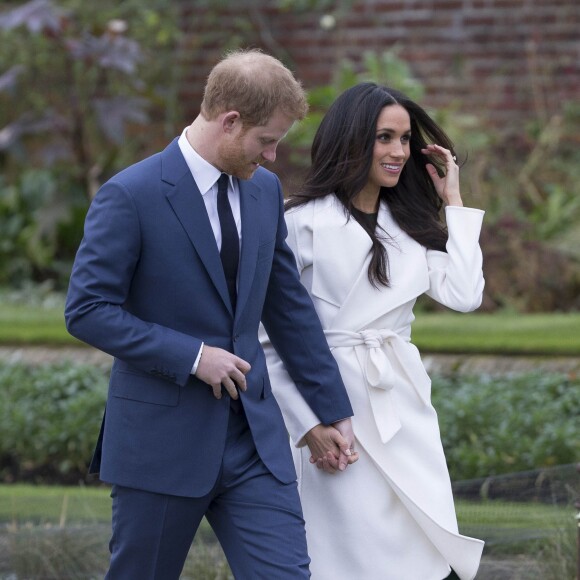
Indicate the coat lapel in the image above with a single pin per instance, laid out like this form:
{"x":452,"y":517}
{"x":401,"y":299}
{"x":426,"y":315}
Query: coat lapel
{"x":340,"y":248}
{"x":187,"y":203}
{"x":342,"y":256}
{"x":250,"y":239}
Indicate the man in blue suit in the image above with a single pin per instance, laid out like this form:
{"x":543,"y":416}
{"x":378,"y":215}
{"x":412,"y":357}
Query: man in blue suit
{"x":191,"y":428}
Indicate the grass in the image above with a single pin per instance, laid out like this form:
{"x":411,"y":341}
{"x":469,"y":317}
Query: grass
{"x":55,"y":532}
{"x":23,"y":504}
{"x":501,"y":333}
{"x":512,"y":515}
{"x":501,"y":522}
{"x":48,"y":532}
{"x":34,"y":325}
{"x":55,"y":505}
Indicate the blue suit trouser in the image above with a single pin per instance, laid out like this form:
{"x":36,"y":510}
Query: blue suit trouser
{"x":256,"y":518}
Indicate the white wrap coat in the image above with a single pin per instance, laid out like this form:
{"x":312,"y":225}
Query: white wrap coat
{"x":390,"y":516}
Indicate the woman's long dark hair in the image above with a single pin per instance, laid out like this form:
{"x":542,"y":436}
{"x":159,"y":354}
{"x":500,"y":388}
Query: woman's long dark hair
{"x":342,"y":155}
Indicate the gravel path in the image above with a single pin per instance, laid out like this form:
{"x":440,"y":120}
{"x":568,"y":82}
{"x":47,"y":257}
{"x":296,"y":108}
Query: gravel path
{"x":435,"y":364}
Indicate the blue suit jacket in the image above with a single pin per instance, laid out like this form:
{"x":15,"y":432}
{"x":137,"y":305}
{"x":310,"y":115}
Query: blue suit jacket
{"x":148,"y":287}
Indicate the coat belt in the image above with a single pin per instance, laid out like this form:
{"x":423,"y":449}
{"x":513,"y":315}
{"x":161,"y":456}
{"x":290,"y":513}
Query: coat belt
{"x":376,"y":350}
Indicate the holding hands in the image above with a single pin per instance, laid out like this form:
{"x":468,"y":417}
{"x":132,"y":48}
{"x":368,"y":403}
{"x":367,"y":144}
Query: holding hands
{"x":332,"y":446}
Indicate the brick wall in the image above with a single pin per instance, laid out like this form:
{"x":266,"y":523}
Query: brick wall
{"x":507,"y":61}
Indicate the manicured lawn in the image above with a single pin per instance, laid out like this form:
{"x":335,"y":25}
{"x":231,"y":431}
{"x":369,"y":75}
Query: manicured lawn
{"x":517,"y":334}
{"x":63,"y":532}
{"x":33,"y":325}
{"x":54,"y":504}
{"x":499,"y":521}
{"x":533,"y":334}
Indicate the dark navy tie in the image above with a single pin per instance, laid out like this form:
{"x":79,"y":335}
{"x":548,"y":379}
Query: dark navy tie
{"x":230,"y":250}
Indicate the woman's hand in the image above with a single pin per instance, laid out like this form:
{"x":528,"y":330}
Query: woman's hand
{"x":329,"y":450}
{"x":447,"y":186}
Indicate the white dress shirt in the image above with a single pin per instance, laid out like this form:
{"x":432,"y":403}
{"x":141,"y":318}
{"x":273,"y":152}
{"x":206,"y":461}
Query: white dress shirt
{"x":206,"y":176}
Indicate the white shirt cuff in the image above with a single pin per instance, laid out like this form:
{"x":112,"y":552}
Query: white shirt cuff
{"x":194,"y":367}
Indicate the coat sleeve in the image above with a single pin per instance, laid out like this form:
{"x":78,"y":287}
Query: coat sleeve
{"x":298,"y":415}
{"x":295,"y":333}
{"x":456,"y":276}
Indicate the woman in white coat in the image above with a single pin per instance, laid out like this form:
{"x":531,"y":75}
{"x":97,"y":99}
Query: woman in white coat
{"x":369,"y":239}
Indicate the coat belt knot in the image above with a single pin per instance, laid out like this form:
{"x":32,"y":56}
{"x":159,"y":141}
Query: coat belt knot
{"x":377,"y":350}
{"x":378,"y":369}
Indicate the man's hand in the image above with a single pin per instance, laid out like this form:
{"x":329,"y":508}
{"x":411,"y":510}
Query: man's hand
{"x":219,"y":367}
{"x":329,"y":450}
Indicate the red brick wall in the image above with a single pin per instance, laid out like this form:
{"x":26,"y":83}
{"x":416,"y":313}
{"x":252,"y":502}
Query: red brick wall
{"x":507,"y":61}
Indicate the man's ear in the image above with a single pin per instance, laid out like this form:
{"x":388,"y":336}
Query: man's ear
{"x":231,"y":121}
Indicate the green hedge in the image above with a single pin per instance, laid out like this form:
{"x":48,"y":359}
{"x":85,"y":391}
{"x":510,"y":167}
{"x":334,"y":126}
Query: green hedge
{"x":494,"y":425}
{"x":50,"y":417}
{"x":49,"y":420}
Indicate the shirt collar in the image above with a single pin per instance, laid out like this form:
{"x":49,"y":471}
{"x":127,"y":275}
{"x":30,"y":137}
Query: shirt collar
{"x":204,"y":173}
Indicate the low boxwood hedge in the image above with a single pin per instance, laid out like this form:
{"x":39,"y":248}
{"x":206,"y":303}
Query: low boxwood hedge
{"x":50,"y":417}
{"x":495,"y":425}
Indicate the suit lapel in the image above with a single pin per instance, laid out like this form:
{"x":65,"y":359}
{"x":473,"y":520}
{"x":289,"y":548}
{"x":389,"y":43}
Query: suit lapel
{"x":250,"y":238}
{"x":187,"y":203}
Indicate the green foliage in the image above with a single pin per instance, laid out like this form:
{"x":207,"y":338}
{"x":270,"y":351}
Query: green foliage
{"x":49,"y":419}
{"x":79,"y":81}
{"x":495,"y":425}
{"x":85,"y":89}
{"x":559,"y":212}
{"x":73,"y":90}
{"x":532,"y":177}
{"x":489,"y":426}
{"x":39,"y":221}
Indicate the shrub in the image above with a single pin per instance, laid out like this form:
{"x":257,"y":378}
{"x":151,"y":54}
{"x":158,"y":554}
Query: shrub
{"x":84,"y":91}
{"x":49,"y":420}
{"x":50,"y":417}
{"x":493,"y":425}
{"x":549,"y":282}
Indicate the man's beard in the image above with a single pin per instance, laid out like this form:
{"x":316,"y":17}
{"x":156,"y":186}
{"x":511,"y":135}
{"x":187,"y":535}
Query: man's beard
{"x":234,"y":162}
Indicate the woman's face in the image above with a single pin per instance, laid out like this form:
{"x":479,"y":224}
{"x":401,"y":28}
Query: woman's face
{"x":391,"y":150}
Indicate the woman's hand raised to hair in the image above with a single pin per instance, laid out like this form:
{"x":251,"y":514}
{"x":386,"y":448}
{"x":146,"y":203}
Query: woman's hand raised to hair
{"x":447,"y":186}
